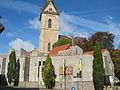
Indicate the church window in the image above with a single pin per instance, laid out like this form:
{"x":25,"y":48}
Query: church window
{"x":43,"y":63}
{"x":39,"y":63}
{"x":49,"y":47}
{"x":49,"y":23}
{"x":50,"y":9}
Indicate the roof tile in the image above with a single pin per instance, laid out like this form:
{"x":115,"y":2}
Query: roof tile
{"x":55,"y":50}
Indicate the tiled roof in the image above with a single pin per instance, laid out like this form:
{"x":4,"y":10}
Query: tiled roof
{"x":29,"y":53}
{"x":103,"y":50}
{"x":92,"y":52}
{"x":55,"y":50}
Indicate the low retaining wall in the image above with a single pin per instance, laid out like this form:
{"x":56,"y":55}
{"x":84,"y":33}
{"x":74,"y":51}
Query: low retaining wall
{"x":77,"y":85}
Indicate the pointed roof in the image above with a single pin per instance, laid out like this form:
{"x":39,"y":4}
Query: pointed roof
{"x":45,"y":6}
{"x":47,"y":1}
{"x":55,"y":50}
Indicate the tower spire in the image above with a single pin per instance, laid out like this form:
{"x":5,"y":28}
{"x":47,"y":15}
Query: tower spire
{"x":47,"y":1}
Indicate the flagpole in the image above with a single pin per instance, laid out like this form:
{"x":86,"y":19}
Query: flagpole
{"x":64,"y":73}
{"x":82,"y":73}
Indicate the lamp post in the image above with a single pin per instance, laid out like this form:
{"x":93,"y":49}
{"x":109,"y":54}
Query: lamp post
{"x":64,"y":72}
{"x":72,"y":38}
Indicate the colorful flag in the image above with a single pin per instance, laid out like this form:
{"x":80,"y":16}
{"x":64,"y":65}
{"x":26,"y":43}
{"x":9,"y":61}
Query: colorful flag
{"x":63,"y":63}
{"x":80,"y":65}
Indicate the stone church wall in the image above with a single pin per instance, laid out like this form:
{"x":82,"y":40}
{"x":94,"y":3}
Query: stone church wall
{"x":30,"y":70}
{"x":57,"y":62}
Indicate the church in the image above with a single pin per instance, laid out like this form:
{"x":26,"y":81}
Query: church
{"x":31,"y":62}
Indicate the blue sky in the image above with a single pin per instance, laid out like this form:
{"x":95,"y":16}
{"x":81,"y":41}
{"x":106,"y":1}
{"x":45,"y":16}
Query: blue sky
{"x":78,"y":17}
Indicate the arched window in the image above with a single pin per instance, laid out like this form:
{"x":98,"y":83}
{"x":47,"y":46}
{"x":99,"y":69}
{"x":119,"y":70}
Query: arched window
{"x":49,"y":23}
{"x":49,"y":47}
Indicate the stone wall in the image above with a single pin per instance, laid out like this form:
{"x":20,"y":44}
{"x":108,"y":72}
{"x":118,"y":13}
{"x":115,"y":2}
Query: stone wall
{"x":57,"y":62}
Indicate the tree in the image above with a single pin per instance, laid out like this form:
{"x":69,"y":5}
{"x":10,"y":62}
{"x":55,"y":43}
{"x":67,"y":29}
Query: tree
{"x":16,"y":79}
{"x":62,"y":41}
{"x":85,"y":45}
{"x":11,"y":67}
{"x":48,"y":73}
{"x":98,"y":69}
{"x":105,"y":39}
{"x":116,"y":60}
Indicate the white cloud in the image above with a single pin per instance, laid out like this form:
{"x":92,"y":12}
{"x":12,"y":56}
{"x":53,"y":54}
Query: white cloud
{"x":67,"y":27}
{"x":113,"y":27}
{"x":34,"y":24}
{"x":20,"y":6}
{"x":109,"y":19}
{"x":19,"y":43}
{"x":70,"y":24}
{"x":78,"y":21}
{"x":9,"y":35}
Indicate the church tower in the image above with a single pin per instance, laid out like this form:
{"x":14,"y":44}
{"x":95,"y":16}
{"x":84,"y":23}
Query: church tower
{"x":49,"y":22}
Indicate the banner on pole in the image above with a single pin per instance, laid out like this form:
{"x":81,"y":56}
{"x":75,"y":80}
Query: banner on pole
{"x":80,"y":64}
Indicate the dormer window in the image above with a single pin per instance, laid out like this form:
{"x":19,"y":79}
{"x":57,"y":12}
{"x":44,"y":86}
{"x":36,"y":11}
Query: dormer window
{"x":49,"y":23}
{"x":50,"y":9}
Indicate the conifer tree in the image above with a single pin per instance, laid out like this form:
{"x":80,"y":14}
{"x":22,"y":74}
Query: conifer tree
{"x":98,"y":69}
{"x":48,"y":73}
{"x":11,"y":67}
